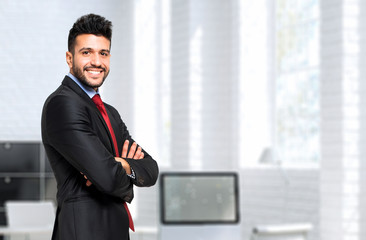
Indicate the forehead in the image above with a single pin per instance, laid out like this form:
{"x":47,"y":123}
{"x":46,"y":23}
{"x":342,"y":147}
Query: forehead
{"x":92,"y":41}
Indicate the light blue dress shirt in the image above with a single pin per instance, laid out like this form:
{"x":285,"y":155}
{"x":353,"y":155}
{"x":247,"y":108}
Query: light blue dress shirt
{"x":88,"y":90}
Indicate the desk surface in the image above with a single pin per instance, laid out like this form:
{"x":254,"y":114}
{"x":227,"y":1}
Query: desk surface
{"x":4,"y":230}
{"x":144,"y":230}
{"x":283,"y":228}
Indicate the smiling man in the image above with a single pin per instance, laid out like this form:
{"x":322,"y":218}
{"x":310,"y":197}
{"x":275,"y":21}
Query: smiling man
{"x":95,"y":160}
{"x":89,"y":58}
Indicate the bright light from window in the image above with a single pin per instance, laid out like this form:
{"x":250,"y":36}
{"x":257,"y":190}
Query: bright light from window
{"x":255,"y":97}
{"x":297,"y":111}
{"x":195,"y":98}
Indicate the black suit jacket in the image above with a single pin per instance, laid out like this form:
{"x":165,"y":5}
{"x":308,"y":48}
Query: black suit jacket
{"x":76,"y":139}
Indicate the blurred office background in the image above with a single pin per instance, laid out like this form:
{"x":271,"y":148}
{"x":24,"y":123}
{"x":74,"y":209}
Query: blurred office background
{"x":270,"y":89}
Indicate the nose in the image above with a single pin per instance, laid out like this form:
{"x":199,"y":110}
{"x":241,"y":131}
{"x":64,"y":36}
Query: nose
{"x":95,"y":60}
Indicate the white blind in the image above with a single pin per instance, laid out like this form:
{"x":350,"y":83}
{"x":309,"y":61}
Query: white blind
{"x":343,"y":135}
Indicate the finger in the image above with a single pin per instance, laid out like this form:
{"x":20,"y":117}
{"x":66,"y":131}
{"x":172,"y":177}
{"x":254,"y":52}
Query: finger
{"x":132,"y":150}
{"x":125,"y":148}
{"x":138,"y":153}
{"x":88,"y":183}
{"x":142,"y":155}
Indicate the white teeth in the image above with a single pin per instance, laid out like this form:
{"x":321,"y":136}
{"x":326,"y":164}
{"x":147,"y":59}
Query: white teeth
{"x":93,"y":72}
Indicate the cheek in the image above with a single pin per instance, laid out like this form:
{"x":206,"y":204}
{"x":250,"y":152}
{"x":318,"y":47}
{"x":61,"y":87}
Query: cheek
{"x":80,"y":63}
{"x":106,"y":63}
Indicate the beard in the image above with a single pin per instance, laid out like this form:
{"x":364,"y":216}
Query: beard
{"x":79,"y":74}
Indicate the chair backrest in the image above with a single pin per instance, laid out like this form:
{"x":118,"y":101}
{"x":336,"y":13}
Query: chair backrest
{"x":30,"y":213}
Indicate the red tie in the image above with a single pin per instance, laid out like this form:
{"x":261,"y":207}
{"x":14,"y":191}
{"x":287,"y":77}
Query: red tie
{"x":98,"y":101}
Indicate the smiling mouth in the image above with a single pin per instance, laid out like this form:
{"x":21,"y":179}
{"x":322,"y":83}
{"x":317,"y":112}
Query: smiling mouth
{"x":94,"y":70}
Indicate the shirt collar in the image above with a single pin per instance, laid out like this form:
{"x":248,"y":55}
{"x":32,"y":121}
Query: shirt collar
{"x":88,"y":90}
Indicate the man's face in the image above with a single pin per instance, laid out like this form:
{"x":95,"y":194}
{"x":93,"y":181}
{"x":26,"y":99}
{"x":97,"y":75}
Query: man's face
{"x":90,"y":61}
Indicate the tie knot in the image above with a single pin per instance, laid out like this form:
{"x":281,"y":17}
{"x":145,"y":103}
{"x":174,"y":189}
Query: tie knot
{"x":97,"y":100}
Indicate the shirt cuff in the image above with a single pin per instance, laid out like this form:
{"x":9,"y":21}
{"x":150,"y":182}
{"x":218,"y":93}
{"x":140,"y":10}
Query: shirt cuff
{"x":132,"y":175}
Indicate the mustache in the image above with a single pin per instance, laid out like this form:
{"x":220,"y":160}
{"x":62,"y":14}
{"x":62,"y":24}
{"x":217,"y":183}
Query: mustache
{"x":94,"y":67}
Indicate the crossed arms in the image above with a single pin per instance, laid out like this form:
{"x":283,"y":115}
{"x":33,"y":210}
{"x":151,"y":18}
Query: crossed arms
{"x":134,"y":153}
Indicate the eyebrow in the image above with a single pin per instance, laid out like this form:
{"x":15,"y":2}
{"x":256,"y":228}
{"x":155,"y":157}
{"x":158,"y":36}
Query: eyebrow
{"x":90,"y":49}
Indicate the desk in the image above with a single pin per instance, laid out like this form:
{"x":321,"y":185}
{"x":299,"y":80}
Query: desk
{"x":6,"y":231}
{"x":283,"y":231}
{"x":284,"y":228}
{"x":141,"y":231}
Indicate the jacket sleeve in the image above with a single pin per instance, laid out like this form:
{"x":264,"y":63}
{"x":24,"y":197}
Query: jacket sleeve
{"x":146,"y":170}
{"x":69,"y":131}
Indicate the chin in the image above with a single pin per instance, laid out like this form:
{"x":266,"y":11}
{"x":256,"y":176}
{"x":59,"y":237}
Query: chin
{"x":95,"y":84}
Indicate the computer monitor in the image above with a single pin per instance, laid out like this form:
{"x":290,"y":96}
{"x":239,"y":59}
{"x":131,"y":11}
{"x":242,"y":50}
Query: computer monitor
{"x":188,"y":198}
{"x":20,"y":157}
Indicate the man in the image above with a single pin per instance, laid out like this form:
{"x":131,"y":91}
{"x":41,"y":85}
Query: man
{"x":94,"y":159}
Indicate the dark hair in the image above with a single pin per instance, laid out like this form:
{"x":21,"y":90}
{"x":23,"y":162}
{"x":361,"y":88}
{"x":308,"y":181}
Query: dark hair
{"x":89,"y":24}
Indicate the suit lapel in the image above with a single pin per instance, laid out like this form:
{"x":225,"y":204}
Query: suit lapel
{"x":71,"y":84}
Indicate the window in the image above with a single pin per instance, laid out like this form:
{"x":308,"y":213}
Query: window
{"x":296,"y":129}
{"x":279,"y":82}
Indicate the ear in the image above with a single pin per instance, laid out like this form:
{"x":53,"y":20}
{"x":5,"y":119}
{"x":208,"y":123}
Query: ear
{"x":69,"y":59}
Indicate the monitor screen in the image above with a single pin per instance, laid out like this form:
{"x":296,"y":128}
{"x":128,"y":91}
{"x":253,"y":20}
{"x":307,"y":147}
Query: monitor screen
{"x":196,"y":198}
{"x":19,"y":188}
{"x":19,"y":157}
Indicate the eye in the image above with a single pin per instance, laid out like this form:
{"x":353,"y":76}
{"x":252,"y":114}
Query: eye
{"x":105,"y":54}
{"x":85,"y":52}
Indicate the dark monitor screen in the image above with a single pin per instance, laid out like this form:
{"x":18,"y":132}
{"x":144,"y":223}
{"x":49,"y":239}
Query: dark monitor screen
{"x":19,"y":189}
{"x":197,"y":198}
{"x":19,"y":157}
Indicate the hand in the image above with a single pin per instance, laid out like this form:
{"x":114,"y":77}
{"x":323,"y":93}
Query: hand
{"x":131,"y":154}
{"x":88,"y":182}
